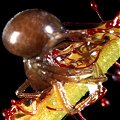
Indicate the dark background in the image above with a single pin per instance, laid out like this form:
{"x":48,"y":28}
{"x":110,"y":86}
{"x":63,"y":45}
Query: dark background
{"x":12,"y":71}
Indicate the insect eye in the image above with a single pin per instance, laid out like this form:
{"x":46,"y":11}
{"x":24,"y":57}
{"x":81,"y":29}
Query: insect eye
{"x":29,"y":31}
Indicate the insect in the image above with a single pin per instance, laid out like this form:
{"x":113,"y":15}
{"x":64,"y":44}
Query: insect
{"x":48,"y":51}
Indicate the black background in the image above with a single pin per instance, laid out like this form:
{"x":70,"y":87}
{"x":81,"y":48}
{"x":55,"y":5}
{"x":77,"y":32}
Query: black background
{"x":12,"y":71}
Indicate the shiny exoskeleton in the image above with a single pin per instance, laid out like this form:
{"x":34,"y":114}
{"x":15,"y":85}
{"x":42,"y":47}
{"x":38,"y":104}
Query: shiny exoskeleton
{"x":40,"y":38}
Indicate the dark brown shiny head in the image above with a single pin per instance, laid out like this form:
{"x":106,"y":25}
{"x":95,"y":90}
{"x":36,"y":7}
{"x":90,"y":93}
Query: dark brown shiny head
{"x":28,"y":32}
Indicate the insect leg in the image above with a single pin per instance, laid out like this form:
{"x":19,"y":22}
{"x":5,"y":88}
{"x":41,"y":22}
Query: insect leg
{"x":59,"y":89}
{"x":92,"y":98}
{"x":20,"y":91}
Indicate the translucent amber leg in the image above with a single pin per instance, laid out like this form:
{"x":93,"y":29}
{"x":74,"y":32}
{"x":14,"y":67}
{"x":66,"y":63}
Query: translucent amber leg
{"x":92,"y":98}
{"x":20,"y":92}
